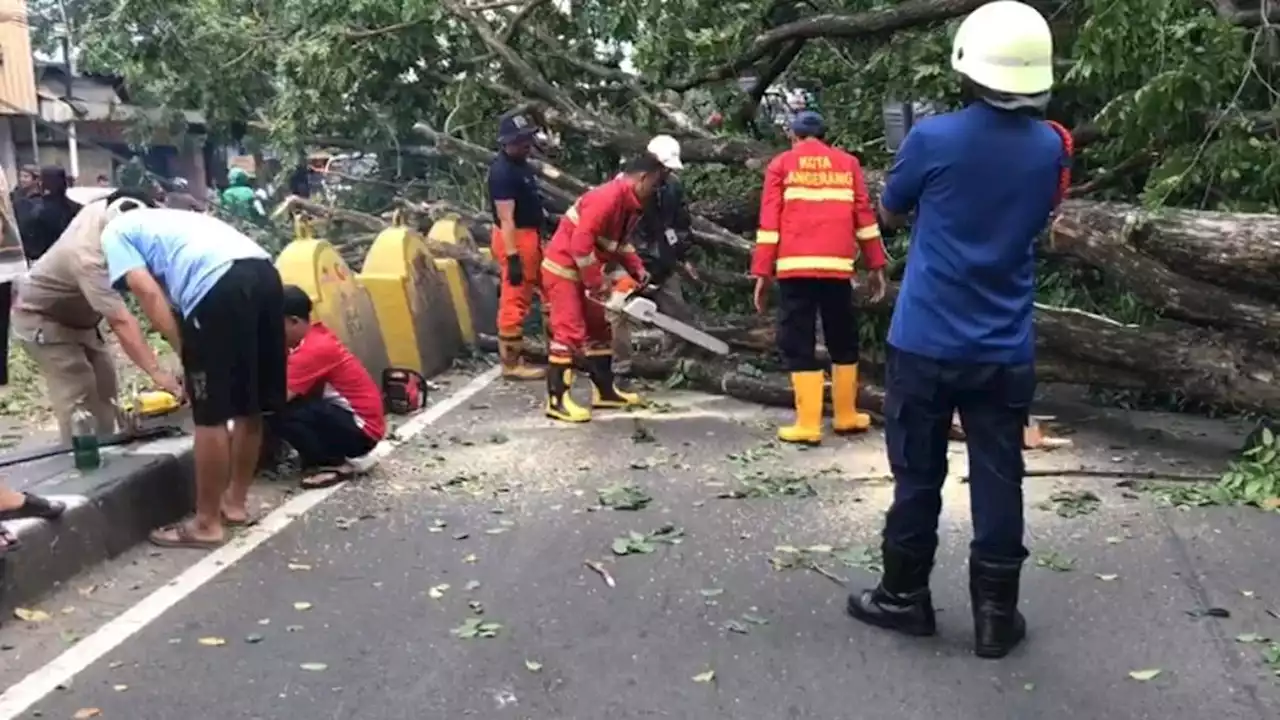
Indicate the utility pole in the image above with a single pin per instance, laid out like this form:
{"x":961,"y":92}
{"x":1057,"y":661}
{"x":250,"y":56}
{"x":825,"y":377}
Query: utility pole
{"x":73,"y":144}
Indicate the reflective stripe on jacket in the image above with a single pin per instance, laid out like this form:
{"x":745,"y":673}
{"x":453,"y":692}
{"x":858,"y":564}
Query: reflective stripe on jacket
{"x":813,"y":208}
{"x":593,"y":232}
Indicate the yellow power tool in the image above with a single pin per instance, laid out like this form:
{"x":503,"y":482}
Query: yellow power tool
{"x":145,"y":411}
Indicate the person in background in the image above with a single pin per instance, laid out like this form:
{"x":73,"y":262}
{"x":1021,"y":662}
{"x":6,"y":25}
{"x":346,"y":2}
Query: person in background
{"x":52,"y":214}
{"x":239,"y":198}
{"x":662,"y":239}
{"x":228,"y":331}
{"x":57,"y":309}
{"x":983,"y":183}
{"x":516,"y":240}
{"x":26,"y":198}
{"x":816,"y":222}
{"x":334,"y":416}
{"x":180,"y":197}
{"x":15,"y":505}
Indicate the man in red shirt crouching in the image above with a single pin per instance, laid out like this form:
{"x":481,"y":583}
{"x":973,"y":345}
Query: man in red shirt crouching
{"x":334,"y":416}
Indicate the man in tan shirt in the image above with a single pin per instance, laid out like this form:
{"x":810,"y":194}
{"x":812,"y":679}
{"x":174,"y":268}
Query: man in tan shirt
{"x":56,"y":312}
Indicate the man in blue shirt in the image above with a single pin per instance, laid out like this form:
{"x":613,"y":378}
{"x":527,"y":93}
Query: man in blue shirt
{"x":217,"y":299}
{"x":517,"y":239}
{"x":983,"y":183}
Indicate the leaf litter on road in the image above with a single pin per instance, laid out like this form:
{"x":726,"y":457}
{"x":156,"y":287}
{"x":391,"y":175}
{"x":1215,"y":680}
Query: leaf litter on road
{"x":302,"y":606}
{"x":314,"y":666}
{"x":600,"y":570}
{"x":435,"y":592}
{"x":705,"y":677}
{"x":1145,"y":675}
{"x":533,"y":666}
{"x":212,"y":641}
{"x":759,"y":484}
{"x":1055,"y":561}
{"x":1072,"y":503}
{"x":86,"y":713}
{"x":477,"y":628}
{"x":28,"y":615}
{"x":624,"y":496}
{"x":634,"y":543}
{"x":817,"y":558}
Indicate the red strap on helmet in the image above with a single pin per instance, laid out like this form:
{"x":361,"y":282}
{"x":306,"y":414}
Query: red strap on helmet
{"x":1064,"y":175}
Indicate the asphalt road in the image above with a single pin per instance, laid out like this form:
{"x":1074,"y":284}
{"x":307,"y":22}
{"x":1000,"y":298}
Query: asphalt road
{"x":350,"y":611}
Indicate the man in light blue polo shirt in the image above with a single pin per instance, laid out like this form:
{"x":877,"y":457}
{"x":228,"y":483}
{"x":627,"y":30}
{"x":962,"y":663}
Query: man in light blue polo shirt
{"x":217,"y":299}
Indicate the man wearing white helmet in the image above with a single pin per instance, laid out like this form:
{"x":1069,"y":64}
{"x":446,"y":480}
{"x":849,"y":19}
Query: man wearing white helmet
{"x":983,"y":183}
{"x":57,"y":310}
{"x":662,"y":239}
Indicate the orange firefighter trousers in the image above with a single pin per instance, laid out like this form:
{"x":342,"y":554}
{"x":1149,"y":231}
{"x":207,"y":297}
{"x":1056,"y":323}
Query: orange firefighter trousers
{"x":578,"y":324}
{"x":514,"y":301}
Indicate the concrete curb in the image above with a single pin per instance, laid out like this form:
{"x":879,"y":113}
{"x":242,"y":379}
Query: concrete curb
{"x":108,"y":511}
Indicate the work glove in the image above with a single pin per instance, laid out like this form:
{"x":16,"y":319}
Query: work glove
{"x":515,"y":271}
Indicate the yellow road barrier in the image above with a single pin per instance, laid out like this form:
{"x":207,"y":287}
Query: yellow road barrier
{"x":340,"y":301}
{"x":415,"y":310}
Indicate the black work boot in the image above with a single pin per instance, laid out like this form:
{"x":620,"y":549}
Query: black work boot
{"x":998,"y":627}
{"x":605,"y":393}
{"x":901,"y":602}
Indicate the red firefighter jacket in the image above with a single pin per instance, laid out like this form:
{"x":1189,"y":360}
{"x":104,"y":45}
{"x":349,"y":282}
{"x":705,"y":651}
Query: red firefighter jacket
{"x":594,"y":232}
{"x":814,"y":205}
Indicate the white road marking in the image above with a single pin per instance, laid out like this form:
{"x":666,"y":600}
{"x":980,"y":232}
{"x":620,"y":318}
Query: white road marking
{"x":34,"y":687}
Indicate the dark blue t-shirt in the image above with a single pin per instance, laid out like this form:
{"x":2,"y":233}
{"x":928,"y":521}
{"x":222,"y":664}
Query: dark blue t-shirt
{"x":512,"y":180}
{"x":982,"y":182}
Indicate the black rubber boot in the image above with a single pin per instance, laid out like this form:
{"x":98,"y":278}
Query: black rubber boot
{"x":998,"y":627}
{"x":605,"y":392}
{"x":901,"y":602}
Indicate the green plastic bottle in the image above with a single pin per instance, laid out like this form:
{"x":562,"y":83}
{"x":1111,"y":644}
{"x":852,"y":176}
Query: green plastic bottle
{"x":84,"y":440}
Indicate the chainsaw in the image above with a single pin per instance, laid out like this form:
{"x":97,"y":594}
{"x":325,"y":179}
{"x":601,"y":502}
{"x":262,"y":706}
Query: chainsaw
{"x":148,"y":416}
{"x":633,"y":300}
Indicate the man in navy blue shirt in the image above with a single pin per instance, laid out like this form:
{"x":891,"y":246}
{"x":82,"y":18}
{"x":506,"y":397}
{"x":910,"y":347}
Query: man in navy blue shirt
{"x":983,"y":183}
{"x":516,"y":241}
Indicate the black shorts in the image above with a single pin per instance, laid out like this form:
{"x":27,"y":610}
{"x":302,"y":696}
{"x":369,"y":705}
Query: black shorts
{"x":233,"y":345}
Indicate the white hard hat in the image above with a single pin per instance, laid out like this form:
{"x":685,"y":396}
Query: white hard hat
{"x":1005,"y":46}
{"x":667,"y":150}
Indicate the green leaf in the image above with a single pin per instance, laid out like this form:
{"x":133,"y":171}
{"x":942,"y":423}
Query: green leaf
{"x":621,"y":546}
{"x":1250,"y":638}
{"x":1145,"y":675}
{"x":705,"y":677}
{"x":533,"y":665}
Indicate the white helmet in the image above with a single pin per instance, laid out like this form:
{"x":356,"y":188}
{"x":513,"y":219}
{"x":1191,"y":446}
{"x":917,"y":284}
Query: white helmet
{"x":667,"y":150}
{"x":123,"y":205}
{"x":1005,"y":46}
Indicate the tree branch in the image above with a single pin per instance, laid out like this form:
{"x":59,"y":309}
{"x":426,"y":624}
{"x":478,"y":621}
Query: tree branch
{"x":873,"y":22}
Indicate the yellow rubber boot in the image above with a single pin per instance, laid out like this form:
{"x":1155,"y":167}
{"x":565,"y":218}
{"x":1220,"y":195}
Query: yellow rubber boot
{"x":511,"y":353}
{"x":807,"y":387}
{"x":844,"y":401}
{"x":604,"y":391}
{"x":560,"y":404}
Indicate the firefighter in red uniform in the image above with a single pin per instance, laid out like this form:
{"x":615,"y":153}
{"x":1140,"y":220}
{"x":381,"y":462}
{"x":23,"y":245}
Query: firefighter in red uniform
{"x":813,"y":207}
{"x":592,"y":233}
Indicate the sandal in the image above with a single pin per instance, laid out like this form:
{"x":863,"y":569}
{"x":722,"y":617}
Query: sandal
{"x":8,"y":541}
{"x":323,"y":479}
{"x":182,"y":538}
{"x":34,"y":506}
{"x":247,"y":522}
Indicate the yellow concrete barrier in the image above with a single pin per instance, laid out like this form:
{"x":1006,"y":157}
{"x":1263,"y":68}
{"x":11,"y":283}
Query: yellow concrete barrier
{"x":475,"y":296}
{"x":414,"y":308}
{"x":340,"y":301}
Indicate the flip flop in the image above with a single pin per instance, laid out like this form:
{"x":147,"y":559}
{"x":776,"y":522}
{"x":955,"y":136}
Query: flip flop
{"x":182,"y":539}
{"x":330,"y":478}
{"x":11,"y":541}
{"x":34,"y":506}
{"x":247,"y":522}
